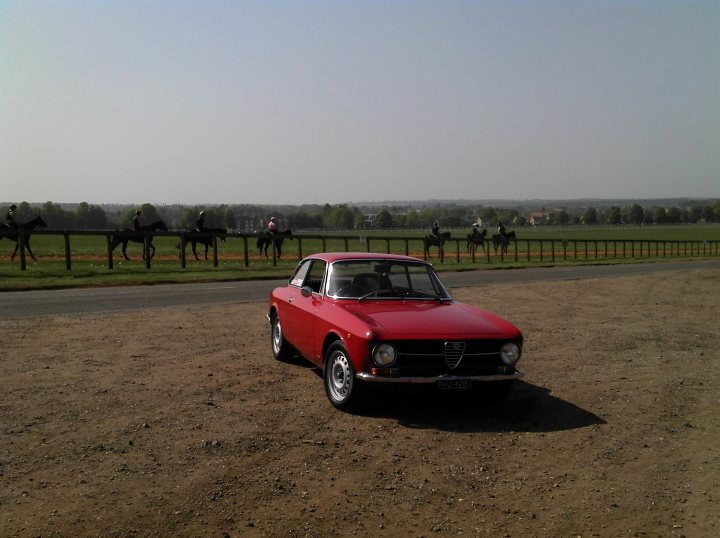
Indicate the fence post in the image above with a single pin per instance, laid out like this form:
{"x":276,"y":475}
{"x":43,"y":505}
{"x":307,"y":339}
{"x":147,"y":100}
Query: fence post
{"x":246,"y":257}
{"x":215,"y":250}
{"x":541,"y":249}
{"x":457,"y":249}
{"x":407,"y":247}
{"x":146,"y":246}
{"x":21,"y":241}
{"x":66,"y":237}
{"x":108,"y":236}
{"x":183,"y":244}
{"x":299,"y":240}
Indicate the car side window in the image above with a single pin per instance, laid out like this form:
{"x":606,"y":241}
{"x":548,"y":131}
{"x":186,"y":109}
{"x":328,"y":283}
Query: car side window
{"x":298,"y":277}
{"x":316,"y":275}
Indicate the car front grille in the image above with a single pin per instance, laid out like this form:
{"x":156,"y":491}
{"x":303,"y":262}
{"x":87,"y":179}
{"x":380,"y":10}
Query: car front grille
{"x":457,"y":357}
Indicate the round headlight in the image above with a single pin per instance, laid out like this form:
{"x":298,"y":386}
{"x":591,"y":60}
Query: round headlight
{"x":510,"y":353}
{"x":384,"y":354}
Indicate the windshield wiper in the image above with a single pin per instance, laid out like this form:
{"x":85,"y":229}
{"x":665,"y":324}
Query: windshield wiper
{"x":385,"y":293}
{"x":426,"y":294}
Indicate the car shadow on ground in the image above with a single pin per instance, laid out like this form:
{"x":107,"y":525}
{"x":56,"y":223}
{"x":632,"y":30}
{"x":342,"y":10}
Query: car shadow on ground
{"x":530,"y":408}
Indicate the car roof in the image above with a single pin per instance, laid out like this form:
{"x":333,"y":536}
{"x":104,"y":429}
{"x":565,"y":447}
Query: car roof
{"x":332,"y":257}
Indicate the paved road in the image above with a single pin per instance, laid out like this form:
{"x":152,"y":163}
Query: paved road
{"x":24,"y":304}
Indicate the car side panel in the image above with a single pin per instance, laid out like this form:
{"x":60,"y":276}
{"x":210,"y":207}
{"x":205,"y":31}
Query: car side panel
{"x":333,"y":319}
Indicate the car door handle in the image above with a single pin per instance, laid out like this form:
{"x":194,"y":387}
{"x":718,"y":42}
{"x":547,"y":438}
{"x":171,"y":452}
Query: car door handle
{"x":291,"y":299}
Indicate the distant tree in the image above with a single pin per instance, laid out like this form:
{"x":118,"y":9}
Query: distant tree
{"x":90,"y":217}
{"x":674,"y":216}
{"x":562,"y":217}
{"x":694,"y":214}
{"x":637,"y":214}
{"x":384,"y":219}
{"x":614,"y":215}
{"x":707,"y":213}
{"x":488,"y":215}
{"x":56,"y":217}
{"x":590,"y":216}
{"x":660,"y":215}
{"x":359,"y":221}
{"x":23,"y":213}
{"x":228,"y":219}
{"x":411,"y":219}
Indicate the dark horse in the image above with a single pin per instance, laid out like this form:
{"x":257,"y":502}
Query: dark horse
{"x":265,"y":239}
{"x":137,"y":236}
{"x":475,"y":239}
{"x":436,"y":241}
{"x":204,"y":237}
{"x":503,"y":241}
{"x":14,"y":235}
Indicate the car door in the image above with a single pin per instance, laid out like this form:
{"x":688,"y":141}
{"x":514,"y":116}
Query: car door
{"x":299,"y":320}
{"x":307,"y":307}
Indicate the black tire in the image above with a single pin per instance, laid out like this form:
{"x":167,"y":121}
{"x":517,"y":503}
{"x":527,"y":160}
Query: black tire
{"x":281,"y":350}
{"x":494,"y":391}
{"x":341,"y":387}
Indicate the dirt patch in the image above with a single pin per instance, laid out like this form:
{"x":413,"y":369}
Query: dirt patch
{"x":178,"y":422}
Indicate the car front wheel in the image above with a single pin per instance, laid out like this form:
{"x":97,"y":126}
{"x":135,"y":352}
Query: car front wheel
{"x":341,"y":387}
{"x":281,"y":350}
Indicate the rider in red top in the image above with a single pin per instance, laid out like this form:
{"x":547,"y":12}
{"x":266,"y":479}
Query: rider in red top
{"x":272,"y":225}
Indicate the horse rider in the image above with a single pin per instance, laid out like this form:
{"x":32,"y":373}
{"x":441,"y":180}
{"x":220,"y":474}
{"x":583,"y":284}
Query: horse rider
{"x":475,"y":229}
{"x":272,"y":226}
{"x":10,"y":221}
{"x":435,"y":230}
{"x":200,"y":222}
{"x":137,"y":225}
{"x":501,"y":229}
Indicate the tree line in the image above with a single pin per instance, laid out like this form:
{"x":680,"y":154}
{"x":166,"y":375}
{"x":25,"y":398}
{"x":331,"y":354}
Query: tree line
{"x":251,"y":218}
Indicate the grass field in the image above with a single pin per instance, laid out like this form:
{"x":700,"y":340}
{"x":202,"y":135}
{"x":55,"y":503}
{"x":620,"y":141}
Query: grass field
{"x":547,"y":246}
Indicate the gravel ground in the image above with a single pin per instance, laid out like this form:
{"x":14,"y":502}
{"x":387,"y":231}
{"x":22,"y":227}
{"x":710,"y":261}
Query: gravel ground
{"x":178,"y":422}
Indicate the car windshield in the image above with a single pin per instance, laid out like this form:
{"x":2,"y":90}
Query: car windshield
{"x":384,"y":279}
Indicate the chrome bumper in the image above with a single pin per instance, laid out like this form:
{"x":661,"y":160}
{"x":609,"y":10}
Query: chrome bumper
{"x":365,"y":376}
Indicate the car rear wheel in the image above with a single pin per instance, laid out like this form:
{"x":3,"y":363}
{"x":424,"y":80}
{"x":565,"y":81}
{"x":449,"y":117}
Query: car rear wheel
{"x":281,"y":350}
{"x":341,"y":387}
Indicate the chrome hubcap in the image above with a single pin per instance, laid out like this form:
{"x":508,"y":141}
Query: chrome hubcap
{"x":277,"y":337}
{"x":340,"y":379}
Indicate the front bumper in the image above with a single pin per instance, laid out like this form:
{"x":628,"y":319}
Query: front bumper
{"x":378,"y":378}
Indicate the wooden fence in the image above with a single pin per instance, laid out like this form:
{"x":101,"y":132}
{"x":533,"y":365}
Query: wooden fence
{"x":536,"y":249}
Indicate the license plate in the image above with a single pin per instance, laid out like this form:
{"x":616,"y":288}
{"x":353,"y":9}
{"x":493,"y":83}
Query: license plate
{"x":451,"y":384}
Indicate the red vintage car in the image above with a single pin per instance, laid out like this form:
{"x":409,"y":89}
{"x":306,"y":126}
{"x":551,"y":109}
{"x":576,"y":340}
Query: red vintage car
{"x":382,"y":318}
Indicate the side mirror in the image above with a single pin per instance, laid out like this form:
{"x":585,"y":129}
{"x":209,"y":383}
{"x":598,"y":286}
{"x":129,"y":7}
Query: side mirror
{"x":306,"y":291}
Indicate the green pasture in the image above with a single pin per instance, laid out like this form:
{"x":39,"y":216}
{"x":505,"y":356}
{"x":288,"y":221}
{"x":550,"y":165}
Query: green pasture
{"x":539,"y":246}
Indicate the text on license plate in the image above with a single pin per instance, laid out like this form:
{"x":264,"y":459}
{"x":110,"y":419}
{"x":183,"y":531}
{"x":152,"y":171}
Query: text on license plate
{"x":454,"y":383}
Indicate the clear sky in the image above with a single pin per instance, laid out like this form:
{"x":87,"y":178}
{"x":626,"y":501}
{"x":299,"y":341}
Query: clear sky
{"x":291,"y":102}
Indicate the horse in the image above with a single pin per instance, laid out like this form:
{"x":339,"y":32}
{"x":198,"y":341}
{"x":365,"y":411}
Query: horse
{"x":503,"y":241}
{"x":13,"y":234}
{"x":204,"y":237}
{"x":138,"y":236}
{"x":475,"y":239}
{"x":265,"y":239}
{"x":435,"y":241}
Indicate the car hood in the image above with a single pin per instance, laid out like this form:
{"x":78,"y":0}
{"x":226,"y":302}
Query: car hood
{"x":431,"y":319}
